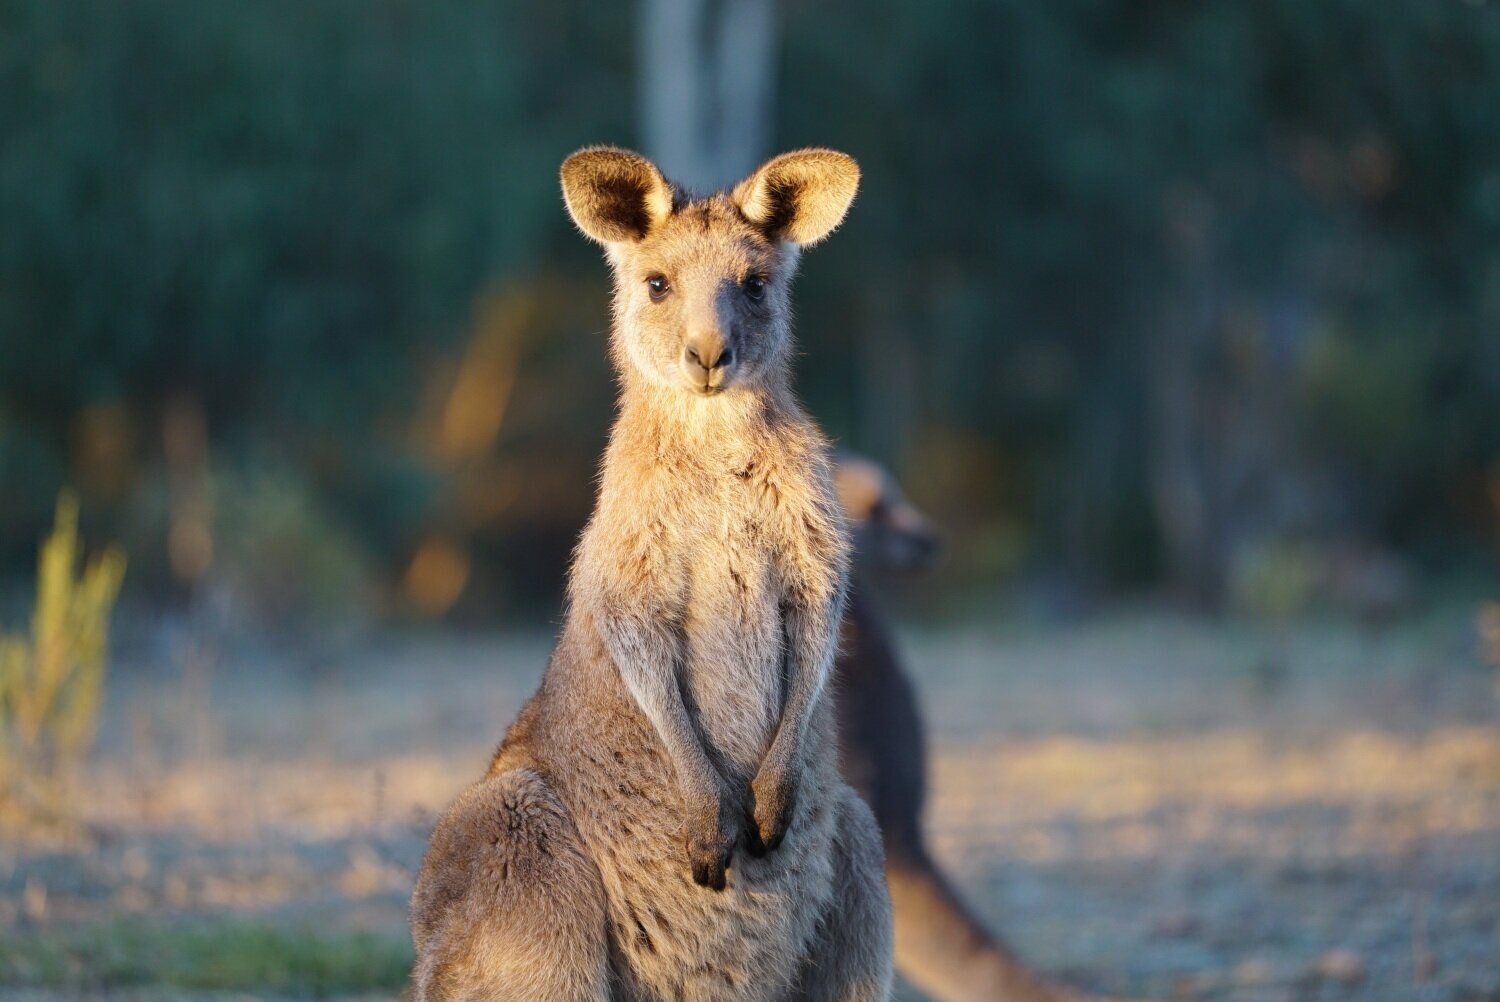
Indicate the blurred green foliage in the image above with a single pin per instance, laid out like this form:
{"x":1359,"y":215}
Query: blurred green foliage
{"x":1285,"y":214}
{"x":223,"y":957}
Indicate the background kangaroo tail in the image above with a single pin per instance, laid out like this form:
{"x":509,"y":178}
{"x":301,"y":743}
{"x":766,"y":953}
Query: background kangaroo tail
{"x":945,"y":951}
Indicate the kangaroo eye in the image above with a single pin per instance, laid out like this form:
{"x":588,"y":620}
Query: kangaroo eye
{"x":755,"y":287}
{"x":658,"y":286}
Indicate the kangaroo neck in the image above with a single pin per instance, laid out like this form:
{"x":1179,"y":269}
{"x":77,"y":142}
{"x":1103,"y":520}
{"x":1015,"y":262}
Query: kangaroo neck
{"x":708,"y":428}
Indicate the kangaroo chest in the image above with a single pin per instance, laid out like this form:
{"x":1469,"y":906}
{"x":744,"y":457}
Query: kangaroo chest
{"x":732,"y":634}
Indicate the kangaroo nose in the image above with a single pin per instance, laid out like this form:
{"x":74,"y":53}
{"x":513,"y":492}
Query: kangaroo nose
{"x":706,"y":355}
{"x":709,"y":354}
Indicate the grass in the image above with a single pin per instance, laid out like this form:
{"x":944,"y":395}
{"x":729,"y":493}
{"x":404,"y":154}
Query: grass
{"x":51,"y":677}
{"x":254,"y":958}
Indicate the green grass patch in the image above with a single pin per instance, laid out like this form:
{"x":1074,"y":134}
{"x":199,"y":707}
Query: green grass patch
{"x":261,"y":959}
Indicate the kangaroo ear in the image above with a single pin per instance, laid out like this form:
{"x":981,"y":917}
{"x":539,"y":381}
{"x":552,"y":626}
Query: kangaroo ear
{"x":801,"y":196}
{"x":613,"y":195}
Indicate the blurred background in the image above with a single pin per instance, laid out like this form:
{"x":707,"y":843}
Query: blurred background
{"x":1181,"y":320}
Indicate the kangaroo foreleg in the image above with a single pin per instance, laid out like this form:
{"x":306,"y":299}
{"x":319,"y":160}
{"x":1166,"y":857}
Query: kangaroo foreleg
{"x":811,"y":641}
{"x":646,"y":655}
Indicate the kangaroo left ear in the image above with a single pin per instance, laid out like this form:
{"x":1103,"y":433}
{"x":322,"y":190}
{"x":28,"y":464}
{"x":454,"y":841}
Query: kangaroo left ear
{"x":800,"y":197}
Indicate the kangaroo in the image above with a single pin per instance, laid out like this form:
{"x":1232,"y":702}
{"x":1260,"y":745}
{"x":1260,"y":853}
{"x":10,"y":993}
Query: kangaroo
{"x":665,"y":818}
{"x":940,"y":946}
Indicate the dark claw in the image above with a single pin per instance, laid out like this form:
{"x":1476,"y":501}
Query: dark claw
{"x":712,"y":829}
{"x":768,"y":823}
{"x":709,"y":873}
{"x":753,"y":845}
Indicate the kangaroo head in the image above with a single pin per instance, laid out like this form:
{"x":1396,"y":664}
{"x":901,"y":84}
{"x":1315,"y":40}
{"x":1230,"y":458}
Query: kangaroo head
{"x":703,"y":284}
{"x":889,"y":531}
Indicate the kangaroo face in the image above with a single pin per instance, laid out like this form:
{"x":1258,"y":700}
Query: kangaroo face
{"x":703,"y":284}
{"x":703,"y":300}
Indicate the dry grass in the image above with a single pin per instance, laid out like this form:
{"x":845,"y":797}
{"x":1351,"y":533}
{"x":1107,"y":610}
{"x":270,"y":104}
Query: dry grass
{"x":51,"y":677}
{"x":1165,"y":827}
{"x":1135,"y":797}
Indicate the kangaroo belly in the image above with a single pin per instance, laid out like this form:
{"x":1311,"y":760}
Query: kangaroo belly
{"x":670,"y":938}
{"x":732,"y":676}
{"x":676,"y":940}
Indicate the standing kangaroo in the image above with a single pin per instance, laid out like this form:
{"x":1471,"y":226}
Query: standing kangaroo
{"x":665,"y":819}
{"x":940,"y":946}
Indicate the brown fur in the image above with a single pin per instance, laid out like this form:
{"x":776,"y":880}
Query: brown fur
{"x":665,"y":820}
{"x":940,"y":946}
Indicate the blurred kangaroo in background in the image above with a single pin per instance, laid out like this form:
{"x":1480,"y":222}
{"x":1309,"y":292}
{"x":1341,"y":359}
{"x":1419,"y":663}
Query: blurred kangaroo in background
{"x":665,"y":819}
{"x":940,"y":946}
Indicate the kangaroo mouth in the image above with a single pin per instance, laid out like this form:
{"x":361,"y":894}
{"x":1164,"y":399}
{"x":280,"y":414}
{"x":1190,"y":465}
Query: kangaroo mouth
{"x":712,"y":386}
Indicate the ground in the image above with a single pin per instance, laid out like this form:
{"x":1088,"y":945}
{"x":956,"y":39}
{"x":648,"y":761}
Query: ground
{"x":1143,"y":803}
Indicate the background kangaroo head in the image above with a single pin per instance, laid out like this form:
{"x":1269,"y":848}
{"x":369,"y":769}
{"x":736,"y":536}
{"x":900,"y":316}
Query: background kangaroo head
{"x":889,"y":531}
{"x":703,"y":284}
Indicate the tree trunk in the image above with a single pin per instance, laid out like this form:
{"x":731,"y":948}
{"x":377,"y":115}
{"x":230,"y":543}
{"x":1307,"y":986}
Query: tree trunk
{"x":707,"y":72}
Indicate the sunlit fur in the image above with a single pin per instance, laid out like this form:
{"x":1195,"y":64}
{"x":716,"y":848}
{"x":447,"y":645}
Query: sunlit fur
{"x":707,"y":251}
{"x":665,"y":819}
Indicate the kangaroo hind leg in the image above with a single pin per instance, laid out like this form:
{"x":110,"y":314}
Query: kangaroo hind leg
{"x":507,"y":904}
{"x":851,"y":956}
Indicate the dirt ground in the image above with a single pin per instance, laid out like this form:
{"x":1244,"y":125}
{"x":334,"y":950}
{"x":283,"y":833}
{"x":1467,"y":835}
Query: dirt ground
{"x":1143,"y":803}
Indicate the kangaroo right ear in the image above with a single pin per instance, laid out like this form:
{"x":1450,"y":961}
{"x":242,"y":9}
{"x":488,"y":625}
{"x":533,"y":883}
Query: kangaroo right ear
{"x":613,"y":195}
